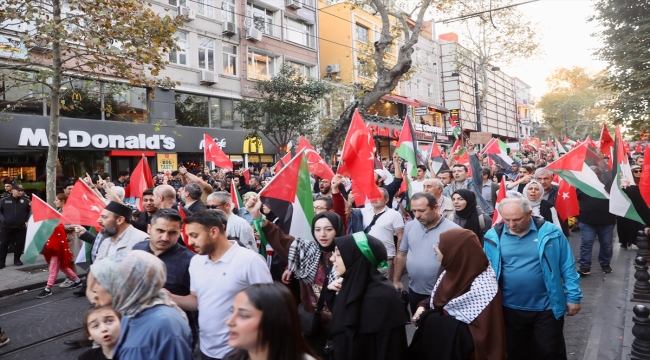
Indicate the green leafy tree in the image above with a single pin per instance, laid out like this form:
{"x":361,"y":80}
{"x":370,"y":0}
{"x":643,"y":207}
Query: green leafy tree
{"x":389,"y":70}
{"x":576,"y":105}
{"x":625,"y":27}
{"x":125,"y":40}
{"x":286,"y":108}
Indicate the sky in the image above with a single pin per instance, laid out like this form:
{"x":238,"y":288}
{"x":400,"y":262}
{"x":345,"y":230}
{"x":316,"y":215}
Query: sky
{"x":565,"y":38}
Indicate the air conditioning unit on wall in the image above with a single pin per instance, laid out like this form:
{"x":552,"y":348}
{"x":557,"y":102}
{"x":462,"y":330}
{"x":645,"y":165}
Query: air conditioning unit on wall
{"x":229,"y":29}
{"x":332,"y":69}
{"x":185,"y":11}
{"x":254,"y":34}
{"x":208,"y":78}
{"x":294,"y":4}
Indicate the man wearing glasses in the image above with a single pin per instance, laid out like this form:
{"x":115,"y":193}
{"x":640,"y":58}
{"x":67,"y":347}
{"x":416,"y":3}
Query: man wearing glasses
{"x":237,"y":228}
{"x":323,"y":204}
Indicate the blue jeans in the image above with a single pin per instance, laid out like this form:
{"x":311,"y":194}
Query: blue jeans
{"x":588,"y":233}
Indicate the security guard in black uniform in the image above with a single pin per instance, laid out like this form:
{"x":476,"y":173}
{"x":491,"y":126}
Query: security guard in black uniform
{"x":8,"y":186}
{"x":14,"y":214}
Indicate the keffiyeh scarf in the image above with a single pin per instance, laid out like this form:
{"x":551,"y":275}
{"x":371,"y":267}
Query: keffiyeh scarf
{"x":469,"y":306}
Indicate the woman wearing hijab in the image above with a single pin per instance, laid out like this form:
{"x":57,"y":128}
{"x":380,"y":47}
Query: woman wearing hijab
{"x":543,"y":208}
{"x":368,"y":320}
{"x":153,"y":326}
{"x":468,"y":215}
{"x":308,"y":262}
{"x":465,"y":297}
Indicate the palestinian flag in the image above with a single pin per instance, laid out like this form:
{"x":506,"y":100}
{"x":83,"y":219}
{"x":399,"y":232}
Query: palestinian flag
{"x":40,"y":227}
{"x":84,"y":258}
{"x":406,"y":146}
{"x":438,"y":162}
{"x":560,"y":147}
{"x":574,"y":168}
{"x":569,"y":141}
{"x":453,"y":122}
{"x":501,"y":194}
{"x":235,"y":196}
{"x":289,"y":197}
{"x":619,"y":203}
{"x":463,"y":158}
{"x":497,"y":150}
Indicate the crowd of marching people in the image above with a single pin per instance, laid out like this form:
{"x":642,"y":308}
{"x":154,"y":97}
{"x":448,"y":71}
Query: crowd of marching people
{"x":278,"y":263}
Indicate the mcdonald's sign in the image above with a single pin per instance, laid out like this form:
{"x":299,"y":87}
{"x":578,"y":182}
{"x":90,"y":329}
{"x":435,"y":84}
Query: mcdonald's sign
{"x":253,"y":145}
{"x":76,"y":96}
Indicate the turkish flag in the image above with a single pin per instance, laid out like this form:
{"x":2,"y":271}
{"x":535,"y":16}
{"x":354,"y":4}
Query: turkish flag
{"x":83,"y":206}
{"x":283,"y":161}
{"x":247,"y":175}
{"x":213,"y":153}
{"x":606,"y":143}
{"x":140,"y":181}
{"x":358,"y":157}
{"x":644,"y":182}
{"x":567,"y":201}
{"x":317,"y":165}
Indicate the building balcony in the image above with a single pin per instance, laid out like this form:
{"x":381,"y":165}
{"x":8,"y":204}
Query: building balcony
{"x":382,"y":119}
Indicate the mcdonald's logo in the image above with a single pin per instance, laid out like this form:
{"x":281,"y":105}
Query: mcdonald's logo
{"x":76,"y":97}
{"x":253,"y":145}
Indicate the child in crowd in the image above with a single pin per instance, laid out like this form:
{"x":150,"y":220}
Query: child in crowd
{"x":103,"y":326}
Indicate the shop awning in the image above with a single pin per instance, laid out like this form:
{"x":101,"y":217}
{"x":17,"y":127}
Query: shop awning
{"x":131,"y":153}
{"x":438,"y":108}
{"x":401,"y":100}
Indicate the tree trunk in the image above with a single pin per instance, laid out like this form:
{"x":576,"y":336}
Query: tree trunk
{"x":55,"y":107}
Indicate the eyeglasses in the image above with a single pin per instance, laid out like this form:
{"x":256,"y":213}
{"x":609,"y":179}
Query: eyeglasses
{"x":636,"y":171}
{"x":214,"y":206}
{"x":319,"y":208}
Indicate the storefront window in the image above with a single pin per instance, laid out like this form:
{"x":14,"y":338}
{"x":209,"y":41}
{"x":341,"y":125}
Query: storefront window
{"x":18,"y":94}
{"x":81,"y":99}
{"x":123,"y":102}
{"x":74,"y":164}
{"x":192,"y":110}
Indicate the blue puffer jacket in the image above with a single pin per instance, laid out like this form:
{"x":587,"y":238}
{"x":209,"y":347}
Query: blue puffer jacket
{"x":558,"y":263}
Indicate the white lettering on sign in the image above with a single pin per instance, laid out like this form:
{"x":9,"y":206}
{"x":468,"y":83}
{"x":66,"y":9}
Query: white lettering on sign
{"x":82,"y":139}
{"x":428,"y":128}
{"x":221,"y":143}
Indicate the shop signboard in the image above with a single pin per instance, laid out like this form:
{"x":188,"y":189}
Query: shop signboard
{"x":12,"y":48}
{"x":167,"y":162}
{"x":422,"y":110}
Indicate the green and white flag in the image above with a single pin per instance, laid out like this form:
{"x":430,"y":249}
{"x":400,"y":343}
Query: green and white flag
{"x":619,"y":203}
{"x":406,"y":146}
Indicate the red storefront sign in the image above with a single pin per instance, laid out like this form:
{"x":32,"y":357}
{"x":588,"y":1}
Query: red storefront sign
{"x":385,"y":131}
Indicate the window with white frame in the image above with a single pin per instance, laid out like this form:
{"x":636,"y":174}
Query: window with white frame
{"x":310,"y":3}
{"x":306,"y":70}
{"x":178,"y":2}
{"x":417,"y":85}
{"x":229,"y":59}
{"x":260,"y":66}
{"x":228,"y":11}
{"x":300,"y":33}
{"x":205,"y":8}
{"x":376,"y":33}
{"x":206,"y":53}
{"x":362,"y":33}
{"x":179,"y":56}
{"x":430,"y":90}
{"x":430,"y":59}
{"x":263,"y":20}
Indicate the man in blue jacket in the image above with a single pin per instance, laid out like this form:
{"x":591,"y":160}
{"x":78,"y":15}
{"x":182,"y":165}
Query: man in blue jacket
{"x":536,"y":273}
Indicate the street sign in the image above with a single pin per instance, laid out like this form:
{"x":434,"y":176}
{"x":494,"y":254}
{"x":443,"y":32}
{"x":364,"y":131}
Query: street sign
{"x":422,"y":110}
{"x":480,"y":137}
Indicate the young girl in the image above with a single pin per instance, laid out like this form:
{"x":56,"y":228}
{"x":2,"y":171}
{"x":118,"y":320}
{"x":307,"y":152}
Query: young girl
{"x":103,"y":326}
{"x":58,"y":256}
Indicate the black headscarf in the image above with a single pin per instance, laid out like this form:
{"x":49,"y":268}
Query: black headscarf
{"x":367,"y":301}
{"x":337,"y":223}
{"x":470,"y":213}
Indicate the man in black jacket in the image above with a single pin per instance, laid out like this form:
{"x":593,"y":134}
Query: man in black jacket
{"x":14,"y":214}
{"x":545,"y":178}
{"x":595,"y":221}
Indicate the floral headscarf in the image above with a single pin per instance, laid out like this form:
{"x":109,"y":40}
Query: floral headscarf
{"x":134,"y":279}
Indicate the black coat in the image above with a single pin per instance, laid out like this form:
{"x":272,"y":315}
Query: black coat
{"x":441,"y":336}
{"x":14,"y":212}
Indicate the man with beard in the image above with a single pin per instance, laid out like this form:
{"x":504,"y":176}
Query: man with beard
{"x":164,"y":228}
{"x":118,"y":235}
{"x":325,"y":188}
{"x":236,"y":227}
{"x":213,"y":295}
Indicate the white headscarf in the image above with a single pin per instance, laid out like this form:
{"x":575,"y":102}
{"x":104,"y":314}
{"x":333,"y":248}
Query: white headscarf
{"x":534,"y":205}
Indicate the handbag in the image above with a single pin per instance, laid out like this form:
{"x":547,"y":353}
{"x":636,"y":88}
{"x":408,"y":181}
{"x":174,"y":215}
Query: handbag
{"x":310,"y":322}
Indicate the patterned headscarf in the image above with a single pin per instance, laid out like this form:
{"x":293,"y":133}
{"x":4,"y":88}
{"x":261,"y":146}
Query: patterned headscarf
{"x":134,"y":279}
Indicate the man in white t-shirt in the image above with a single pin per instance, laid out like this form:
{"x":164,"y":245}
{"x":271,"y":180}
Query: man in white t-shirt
{"x":383,"y":223}
{"x":219,"y":272}
{"x":417,"y":185}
